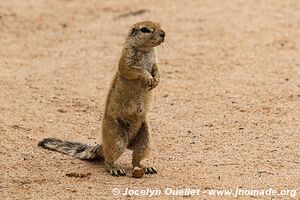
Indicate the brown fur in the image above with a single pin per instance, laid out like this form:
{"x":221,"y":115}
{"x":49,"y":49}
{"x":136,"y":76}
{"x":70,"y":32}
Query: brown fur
{"x":124,"y":123}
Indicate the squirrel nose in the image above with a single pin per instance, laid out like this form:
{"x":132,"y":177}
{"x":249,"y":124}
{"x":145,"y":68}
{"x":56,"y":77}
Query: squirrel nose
{"x":162,"y":34}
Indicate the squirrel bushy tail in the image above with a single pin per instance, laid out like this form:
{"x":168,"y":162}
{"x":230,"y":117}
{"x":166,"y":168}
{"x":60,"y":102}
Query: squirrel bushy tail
{"x":75,"y":149}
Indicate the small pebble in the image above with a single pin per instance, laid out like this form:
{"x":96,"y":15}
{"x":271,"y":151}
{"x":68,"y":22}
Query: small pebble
{"x":138,"y":172}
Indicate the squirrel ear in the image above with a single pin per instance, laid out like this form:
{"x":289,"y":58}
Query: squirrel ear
{"x":132,"y":31}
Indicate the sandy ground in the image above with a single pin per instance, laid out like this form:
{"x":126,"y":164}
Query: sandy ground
{"x":225,"y":115}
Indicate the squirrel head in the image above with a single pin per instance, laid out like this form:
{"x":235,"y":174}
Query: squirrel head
{"x":146,"y":34}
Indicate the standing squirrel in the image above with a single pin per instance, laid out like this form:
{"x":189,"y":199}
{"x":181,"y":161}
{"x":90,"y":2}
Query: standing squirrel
{"x":124,"y":123}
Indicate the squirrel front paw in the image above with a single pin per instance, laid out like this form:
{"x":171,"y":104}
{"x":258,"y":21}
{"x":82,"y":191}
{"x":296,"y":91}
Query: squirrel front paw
{"x":149,"y":80}
{"x":154,"y":83}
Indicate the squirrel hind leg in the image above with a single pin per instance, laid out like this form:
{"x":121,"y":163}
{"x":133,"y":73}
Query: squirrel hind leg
{"x":140,"y":146}
{"x":114,"y":145}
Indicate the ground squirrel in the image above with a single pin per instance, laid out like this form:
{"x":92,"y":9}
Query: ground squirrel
{"x":125,"y":123}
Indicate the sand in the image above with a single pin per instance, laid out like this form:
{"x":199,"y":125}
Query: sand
{"x":224,"y":116}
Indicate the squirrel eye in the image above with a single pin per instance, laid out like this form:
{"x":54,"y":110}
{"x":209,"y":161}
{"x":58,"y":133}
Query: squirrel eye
{"x":145,"y":30}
